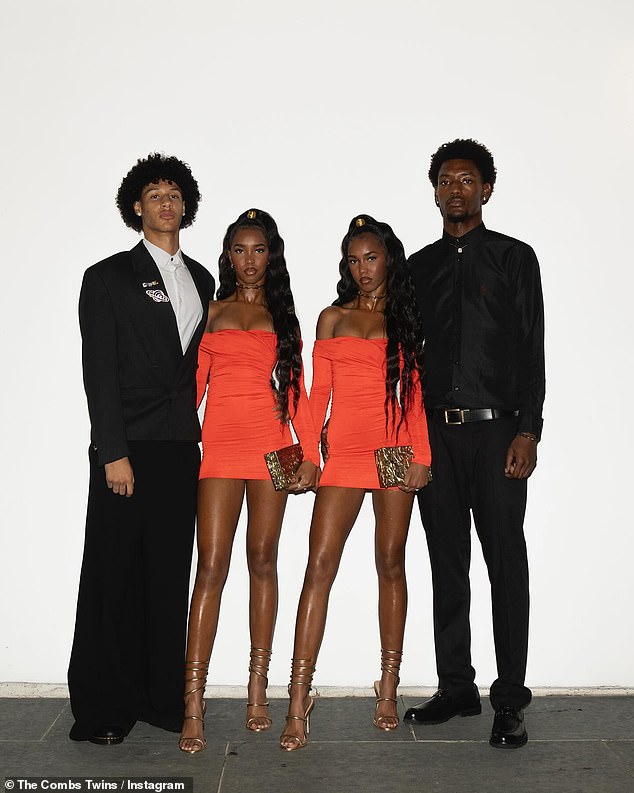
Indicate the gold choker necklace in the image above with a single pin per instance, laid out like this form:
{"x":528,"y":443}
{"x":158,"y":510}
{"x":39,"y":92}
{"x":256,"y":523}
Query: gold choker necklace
{"x":371,"y":297}
{"x":375,"y":298}
{"x":249,"y":286}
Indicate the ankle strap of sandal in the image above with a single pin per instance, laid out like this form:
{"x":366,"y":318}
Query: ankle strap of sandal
{"x":196,"y":672}
{"x":302,"y":671}
{"x":391,"y":661}
{"x":259,"y":661}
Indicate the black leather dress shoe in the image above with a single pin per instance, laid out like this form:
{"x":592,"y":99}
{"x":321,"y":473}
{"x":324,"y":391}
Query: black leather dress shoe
{"x":443,"y":706}
{"x":508,"y":728}
{"x":107,"y":735}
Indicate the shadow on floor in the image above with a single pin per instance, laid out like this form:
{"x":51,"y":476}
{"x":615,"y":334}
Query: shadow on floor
{"x":578,"y":744}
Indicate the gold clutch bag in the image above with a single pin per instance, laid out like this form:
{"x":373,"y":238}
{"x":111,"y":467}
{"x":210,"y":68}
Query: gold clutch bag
{"x":392,"y":463}
{"x":283,"y":464}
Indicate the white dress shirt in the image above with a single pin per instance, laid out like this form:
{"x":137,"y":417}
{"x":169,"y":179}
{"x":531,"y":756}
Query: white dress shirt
{"x":181,"y":290}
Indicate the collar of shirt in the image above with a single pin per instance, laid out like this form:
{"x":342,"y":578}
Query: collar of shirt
{"x":163,"y":259}
{"x":470,"y":238}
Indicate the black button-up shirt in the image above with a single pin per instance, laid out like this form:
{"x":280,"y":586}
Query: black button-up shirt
{"x":480,"y":298}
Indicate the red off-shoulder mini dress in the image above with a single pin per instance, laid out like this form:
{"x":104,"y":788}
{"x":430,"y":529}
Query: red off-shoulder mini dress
{"x":240,"y":424}
{"x":352,"y":371}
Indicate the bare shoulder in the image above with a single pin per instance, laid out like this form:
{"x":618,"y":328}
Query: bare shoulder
{"x":327,"y":322}
{"x":215,"y":306}
{"x":215,"y":309}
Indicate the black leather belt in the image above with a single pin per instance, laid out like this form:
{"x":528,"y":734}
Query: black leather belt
{"x":451,"y":416}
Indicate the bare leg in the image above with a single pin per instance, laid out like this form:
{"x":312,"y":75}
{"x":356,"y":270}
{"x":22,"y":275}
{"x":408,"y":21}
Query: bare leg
{"x":266,"y":511}
{"x":334,"y":514}
{"x":392,"y":511}
{"x":219,"y":505}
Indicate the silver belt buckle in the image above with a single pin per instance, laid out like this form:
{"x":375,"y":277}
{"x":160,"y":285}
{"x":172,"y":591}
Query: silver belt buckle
{"x":451,"y":423}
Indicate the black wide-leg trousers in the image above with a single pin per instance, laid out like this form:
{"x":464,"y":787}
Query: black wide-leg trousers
{"x":127,"y":661}
{"x":468,"y":478}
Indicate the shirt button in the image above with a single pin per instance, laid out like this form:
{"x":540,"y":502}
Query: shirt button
{"x":456,"y":388}
{"x":457,"y":363}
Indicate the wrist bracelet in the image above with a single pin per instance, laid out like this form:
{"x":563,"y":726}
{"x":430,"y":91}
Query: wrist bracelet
{"x":528,"y":436}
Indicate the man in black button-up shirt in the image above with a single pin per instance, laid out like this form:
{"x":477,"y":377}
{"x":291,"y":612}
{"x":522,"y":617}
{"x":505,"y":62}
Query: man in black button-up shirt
{"x":480,"y":297}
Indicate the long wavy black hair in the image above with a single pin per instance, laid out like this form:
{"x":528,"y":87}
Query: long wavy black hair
{"x":279,"y":302}
{"x":403,"y":326}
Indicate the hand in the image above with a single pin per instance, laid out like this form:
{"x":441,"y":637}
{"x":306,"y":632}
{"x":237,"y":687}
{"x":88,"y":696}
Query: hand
{"x":324,"y":441}
{"x":306,"y":478}
{"x":416,"y":478}
{"x":521,"y":458}
{"x":120,"y":477}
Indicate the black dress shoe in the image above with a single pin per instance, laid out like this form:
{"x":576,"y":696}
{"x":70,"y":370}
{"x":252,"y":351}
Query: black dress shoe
{"x":508,"y":728}
{"x":443,"y":706}
{"x":107,"y":735}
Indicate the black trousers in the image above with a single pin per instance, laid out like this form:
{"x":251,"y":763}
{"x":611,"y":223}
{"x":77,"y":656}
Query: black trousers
{"x":468,"y":478}
{"x":127,"y":661}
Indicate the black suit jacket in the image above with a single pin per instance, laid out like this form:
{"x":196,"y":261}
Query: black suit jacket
{"x":139,"y":384}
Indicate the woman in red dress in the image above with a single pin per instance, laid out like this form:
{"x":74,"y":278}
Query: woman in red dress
{"x":250,"y":364}
{"x":367,"y":358}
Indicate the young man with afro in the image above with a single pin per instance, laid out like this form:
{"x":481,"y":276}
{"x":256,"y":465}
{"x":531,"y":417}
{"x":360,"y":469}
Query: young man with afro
{"x":142,"y":314}
{"x":480,"y":297}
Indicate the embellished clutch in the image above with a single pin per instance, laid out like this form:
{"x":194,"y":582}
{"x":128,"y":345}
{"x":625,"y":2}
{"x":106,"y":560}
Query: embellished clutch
{"x":392,"y":463}
{"x":283,"y":464}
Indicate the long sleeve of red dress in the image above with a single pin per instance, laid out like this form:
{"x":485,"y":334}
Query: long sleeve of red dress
{"x":417,"y":425}
{"x":321,"y":388}
{"x":202,"y":374}
{"x":302,"y":420}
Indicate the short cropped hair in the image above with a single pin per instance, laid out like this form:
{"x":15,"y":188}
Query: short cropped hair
{"x":157,"y":168}
{"x":464,"y":149}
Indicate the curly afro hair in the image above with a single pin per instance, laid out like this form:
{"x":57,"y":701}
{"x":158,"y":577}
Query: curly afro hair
{"x":157,"y":168}
{"x":464,"y":149}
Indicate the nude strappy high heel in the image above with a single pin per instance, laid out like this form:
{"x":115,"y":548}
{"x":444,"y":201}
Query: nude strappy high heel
{"x":259,"y":665}
{"x":390,"y":663}
{"x":196,"y":675}
{"x":302,"y":671}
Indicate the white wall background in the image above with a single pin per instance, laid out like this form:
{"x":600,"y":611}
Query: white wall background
{"x":316,"y":112}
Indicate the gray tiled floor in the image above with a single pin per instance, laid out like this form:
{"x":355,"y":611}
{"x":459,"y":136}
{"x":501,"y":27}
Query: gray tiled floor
{"x":577,"y":745}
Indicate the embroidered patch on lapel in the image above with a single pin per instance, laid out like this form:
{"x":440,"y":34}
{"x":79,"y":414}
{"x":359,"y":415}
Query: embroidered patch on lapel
{"x":150,"y":283}
{"x":157,"y":295}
